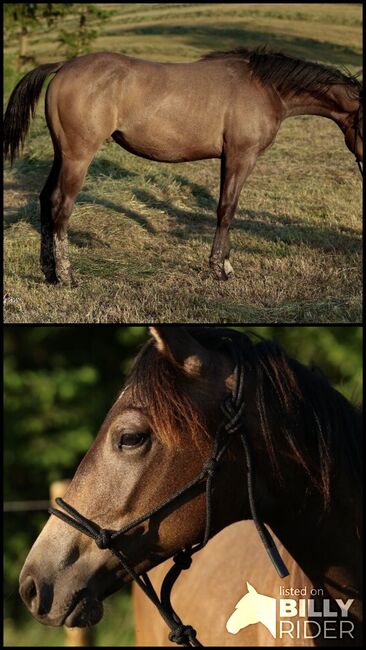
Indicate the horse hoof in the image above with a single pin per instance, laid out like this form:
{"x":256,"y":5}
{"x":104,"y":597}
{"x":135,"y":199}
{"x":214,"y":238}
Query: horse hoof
{"x":228,"y":269}
{"x":222,"y":270}
{"x":69,"y":282}
{"x":220,"y":274}
{"x":73,"y":282}
{"x":51,"y":277}
{"x":64,"y":281}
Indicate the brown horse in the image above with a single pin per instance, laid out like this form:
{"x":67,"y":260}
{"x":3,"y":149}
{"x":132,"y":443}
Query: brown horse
{"x":226,"y":105}
{"x":304,"y":465}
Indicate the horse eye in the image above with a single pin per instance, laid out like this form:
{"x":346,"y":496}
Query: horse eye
{"x":132,"y":440}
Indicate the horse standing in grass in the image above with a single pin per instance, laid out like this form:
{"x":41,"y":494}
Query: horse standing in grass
{"x":227,"y":105}
{"x":167,"y":473}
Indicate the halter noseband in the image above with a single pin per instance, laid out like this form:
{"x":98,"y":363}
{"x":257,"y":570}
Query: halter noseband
{"x":232,"y":408}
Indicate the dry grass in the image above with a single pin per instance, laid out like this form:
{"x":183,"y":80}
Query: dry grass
{"x":141,"y":232}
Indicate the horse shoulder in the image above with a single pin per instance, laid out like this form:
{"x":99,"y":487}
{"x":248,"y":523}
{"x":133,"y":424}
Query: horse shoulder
{"x":206,"y":595}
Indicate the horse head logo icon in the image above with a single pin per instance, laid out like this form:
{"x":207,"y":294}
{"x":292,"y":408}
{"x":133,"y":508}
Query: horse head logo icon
{"x":253,"y":608}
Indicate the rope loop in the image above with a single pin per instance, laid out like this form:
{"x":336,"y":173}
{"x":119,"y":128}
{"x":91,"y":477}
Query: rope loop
{"x":103,"y":539}
{"x":182,"y":634}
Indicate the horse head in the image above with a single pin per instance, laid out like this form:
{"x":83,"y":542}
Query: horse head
{"x":154,"y":440}
{"x":190,"y":446}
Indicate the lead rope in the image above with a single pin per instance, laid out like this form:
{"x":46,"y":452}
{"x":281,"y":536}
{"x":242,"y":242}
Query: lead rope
{"x":232,"y":408}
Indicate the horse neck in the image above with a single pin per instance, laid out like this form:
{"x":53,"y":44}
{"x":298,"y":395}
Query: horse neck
{"x":336,"y":104}
{"x":327,"y":546}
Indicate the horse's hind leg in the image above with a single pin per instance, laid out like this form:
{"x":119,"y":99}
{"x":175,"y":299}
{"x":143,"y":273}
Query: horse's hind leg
{"x":234,"y":170}
{"x":57,"y":202}
{"x":47,"y":255}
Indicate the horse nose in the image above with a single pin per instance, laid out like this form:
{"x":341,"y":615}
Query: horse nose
{"x":37,"y":597}
{"x":30,"y":593}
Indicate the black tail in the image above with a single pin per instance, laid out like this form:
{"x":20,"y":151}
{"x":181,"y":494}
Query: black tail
{"x":21,"y":108}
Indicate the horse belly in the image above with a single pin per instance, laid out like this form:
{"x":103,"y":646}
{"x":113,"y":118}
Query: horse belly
{"x":172,"y":148}
{"x":169,"y":135}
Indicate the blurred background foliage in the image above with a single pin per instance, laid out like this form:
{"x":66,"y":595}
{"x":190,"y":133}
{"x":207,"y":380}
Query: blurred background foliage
{"x":59,"y":383}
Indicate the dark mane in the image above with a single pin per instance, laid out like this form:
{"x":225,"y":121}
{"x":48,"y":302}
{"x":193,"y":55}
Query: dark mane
{"x":291,"y":75}
{"x":297,"y":405}
{"x":320,"y":427}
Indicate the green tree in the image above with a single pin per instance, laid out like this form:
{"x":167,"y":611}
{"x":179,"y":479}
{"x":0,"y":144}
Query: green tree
{"x":79,"y":40}
{"x":22,"y":19}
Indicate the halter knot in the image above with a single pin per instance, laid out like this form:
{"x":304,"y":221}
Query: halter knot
{"x":210,"y":467}
{"x":103,"y":539}
{"x":182,"y":634}
{"x":183,"y":560}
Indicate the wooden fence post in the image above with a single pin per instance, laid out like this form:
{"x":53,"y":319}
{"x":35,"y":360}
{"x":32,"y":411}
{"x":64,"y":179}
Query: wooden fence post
{"x":74,"y":636}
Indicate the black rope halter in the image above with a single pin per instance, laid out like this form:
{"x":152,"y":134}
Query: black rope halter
{"x":232,"y":409}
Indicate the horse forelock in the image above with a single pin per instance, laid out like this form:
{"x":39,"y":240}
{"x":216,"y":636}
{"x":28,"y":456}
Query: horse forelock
{"x":163,"y":390}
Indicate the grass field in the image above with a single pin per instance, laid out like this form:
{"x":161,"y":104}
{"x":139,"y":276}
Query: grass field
{"x":141,"y":232}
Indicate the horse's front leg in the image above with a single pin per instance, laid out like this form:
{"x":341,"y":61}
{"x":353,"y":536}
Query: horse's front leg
{"x":234,"y":170}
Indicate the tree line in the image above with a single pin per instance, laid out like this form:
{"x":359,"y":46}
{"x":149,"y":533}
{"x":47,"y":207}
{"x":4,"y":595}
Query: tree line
{"x":23,"y":20}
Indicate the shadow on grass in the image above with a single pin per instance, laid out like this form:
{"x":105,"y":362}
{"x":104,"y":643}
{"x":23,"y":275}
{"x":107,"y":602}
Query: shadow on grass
{"x":264,"y":225}
{"x":34,"y":173}
{"x":208,"y":37}
{"x":184,"y":223}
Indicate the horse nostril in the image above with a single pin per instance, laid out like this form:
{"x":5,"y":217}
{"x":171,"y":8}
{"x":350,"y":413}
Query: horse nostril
{"x":32,"y":591}
{"x":29,"y":593}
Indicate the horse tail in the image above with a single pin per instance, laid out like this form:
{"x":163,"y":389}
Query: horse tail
{"x":21,"y":107}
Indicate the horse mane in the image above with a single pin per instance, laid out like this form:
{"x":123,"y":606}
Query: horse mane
{"x":296,"y":405}
{"x":289,"y":74}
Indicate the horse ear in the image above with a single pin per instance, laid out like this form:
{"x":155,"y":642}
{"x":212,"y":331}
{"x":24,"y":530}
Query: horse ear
{"x":177,"y":345}
{"x":251,"y":589}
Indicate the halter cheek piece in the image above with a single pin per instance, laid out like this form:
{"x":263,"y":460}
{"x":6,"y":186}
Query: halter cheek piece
{"x":232,"y":409}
